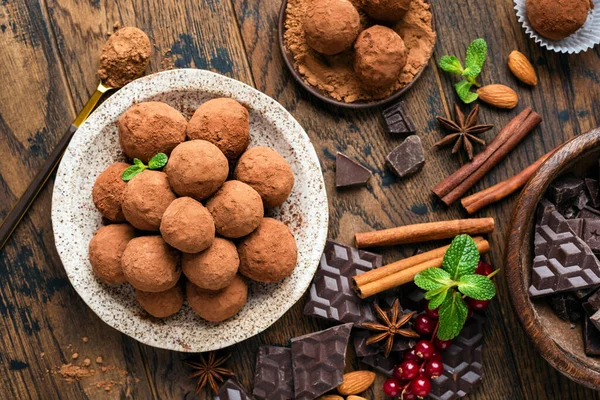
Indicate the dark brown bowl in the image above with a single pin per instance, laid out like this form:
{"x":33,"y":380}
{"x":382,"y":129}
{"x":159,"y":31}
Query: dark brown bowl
{"x":289,"y":61}
{"x":560,"y":345}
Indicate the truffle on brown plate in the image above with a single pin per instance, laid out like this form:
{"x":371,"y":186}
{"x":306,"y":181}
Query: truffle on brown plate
{"x":149,"y":128}
{"x":214,"y":268}
{"x":150,"y":264}
{"x":108,"y":190}
{"x":221,"y":305}
{"x":187,"y":225}
{"x":268,"y":254}
{"x":557,"y":19}
{"x":223,"y":122}
{"x":331,"y":26}
{"x":380,"y":56}
{"x":386,"y":10}
{"x":161,"y":304}
{"x":125,"y":56}
{"x":197,"y":169}
{"x":106,"y":249}
{"x":236,"y":208}
{"x":268,"y":173}
{"x":146,"y":198}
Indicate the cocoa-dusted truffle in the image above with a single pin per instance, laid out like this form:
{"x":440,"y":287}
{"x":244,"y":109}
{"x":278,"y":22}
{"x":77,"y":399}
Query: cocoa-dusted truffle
{"x":197,"y":169}
{"x":380,"y":56}
{"x":237,"y":209}
{"x":557,"y":19}
{"x":161,"y":304}
{"x":124,"y":58}
{"x":187,"y":225}
{"x":386,"y":10}
{"x":146,"y":198}
{"x":268,"y":173}
{"x":221,"y":305}
{"x":269,"y":253}
{"x":150,"y":264}
{"x":147,"y":129}
{"x":331,"y":26}
{"x":108,"y":190}
{"x":214,"y":268}
{"x":106,"y":249}
{"x":224,"y":123}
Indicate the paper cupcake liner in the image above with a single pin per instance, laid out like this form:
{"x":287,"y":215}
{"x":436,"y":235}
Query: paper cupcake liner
{"x":582,"y":40}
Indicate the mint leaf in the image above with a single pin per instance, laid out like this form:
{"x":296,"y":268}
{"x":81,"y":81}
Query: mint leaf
{"x":476,"y":55}
{"x":451,"y":64}
{"x":433,"y":278}
{"x":461,"y":258}
{"x":463,"y":88}
{"x":436,"y":297}
{"x":477,"y":287}
{"x":453,"y":314}
{"x":132,"y":171}
{"x":139,"y":163}
{"x":158,"y":161}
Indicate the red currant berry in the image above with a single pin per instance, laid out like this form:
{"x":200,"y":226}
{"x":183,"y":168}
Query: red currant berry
{"x":434,"y":369}
{"x":420,"y":386}
{"x":410,"y":354}
{"x":483,"y":268}
{"x":392,"y":387}
{"x":424,"y":349}
{"x":433,"y":313}
{"x":408,"y":395}
{"x":424,"y":324}
{"x":478,"y":305}
{"x":437,"y":356}
{"x":442,"y":344}
{"x":407,"y":370}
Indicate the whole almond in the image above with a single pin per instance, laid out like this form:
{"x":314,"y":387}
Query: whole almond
{"x":353,"y":397}
{"x":330,"y":397}
{"x":520,"y":66}
{"x":356,"y":382}
{"x":500,"y":96}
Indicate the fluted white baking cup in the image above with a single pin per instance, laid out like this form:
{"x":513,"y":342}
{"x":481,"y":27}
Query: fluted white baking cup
{"x":584,"y":39}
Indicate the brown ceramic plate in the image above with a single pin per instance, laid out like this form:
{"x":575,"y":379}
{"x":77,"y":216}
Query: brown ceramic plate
{"x":560,"y":345}
{"x":289,"y":61}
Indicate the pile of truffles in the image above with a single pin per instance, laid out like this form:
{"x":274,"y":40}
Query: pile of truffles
{"x":189,"y":218}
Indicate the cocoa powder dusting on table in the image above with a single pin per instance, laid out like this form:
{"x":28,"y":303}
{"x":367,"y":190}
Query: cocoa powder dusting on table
{"x":335,"y":75}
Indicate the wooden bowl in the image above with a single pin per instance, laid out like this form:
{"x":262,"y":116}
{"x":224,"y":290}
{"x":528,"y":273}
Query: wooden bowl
{"x":322,"y":95}
{"x":560,"y":345}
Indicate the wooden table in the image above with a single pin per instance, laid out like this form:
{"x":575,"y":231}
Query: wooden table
{"x":48,"y":55}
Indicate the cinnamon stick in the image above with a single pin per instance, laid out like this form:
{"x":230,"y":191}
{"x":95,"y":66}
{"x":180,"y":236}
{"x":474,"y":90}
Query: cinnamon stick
{"x":495,"y":193}
{"x":406,"y":275}
{"x":424,"y":232}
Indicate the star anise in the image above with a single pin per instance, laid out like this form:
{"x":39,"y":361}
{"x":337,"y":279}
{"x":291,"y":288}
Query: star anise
{"x":209,"y":371}
{"x":463,"y":131}
{"x":392,"y":323}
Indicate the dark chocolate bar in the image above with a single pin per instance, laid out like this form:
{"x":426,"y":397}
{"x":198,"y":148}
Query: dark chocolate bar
{"x":273,"y":377}
{"x":591,"y":338}
{"x":591,"y":234}
{"x":232,"y":390}
{"x":350,"y":173}
{"x":397,"y":120}
{"x":408,"y":158}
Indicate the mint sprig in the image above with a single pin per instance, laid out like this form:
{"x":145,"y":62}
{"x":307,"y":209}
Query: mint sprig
{"x":475,"y":58}
{"x":157,"y":162}
{"x":447,"y":286}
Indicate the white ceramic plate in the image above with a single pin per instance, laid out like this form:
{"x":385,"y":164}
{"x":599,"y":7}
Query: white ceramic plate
{"x":75,"y":219}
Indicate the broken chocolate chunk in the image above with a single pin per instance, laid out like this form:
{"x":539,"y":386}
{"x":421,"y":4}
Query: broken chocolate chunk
{"x":593,"y":189}
{"x":591,"y":338}
{"x":349,"y":173}
{"x":408,"y":158}
{"x":567,"y":307}
{"x":563,"y":191}
{"x":397,"y":120}
{"x":232,"y":390}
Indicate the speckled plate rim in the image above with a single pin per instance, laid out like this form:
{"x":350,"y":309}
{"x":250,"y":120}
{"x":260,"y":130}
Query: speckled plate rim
{"x":71,"y":242}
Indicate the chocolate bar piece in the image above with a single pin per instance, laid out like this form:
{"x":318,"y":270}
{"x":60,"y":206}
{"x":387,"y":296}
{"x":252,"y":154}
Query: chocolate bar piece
{"x":563,"y":191}
{"x":274,"y":378}
{"x":331,"y":295}
{"x":318,"y":361}
{"x":593,"y":189}
{"x":567,"y":307}
{"x":582,"y":200}
{"x":408,"y":158}
{"x":381,"y":364}
{"x":232,"y":390}
{"x":592,"y":308}
{"x":349,"y":173}
{"x":591,"y":234}
{"x":397,"y":120}
{"x":591,"y":338}
{"x":576,"y":225}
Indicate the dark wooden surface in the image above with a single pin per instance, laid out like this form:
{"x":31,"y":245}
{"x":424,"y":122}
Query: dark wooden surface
{"x":48,"y":55}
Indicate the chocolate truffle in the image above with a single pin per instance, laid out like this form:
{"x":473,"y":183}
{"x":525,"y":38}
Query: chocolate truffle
{"x":161,"y":304}
{"x":237,"y":209}
{"x":269,"y":253}
{"x":331,"y":26}
{"x":380,"y":56}
{"x":557,"y":19}
{"x":268,"y":173}
{"x":150,"y":264}
{"x":187,"y":225}
{"x":108,"y":190}
{"x":147,"y":129}
{"x":197,"y":169}
{"x":146,"y":198}
{"x":221,"y":305}
{"x":224,"y":123}
{"x":124,"y":58}
{"x":214,"y":268}
{"x":106,"y":249}
{"x":386,"y":10}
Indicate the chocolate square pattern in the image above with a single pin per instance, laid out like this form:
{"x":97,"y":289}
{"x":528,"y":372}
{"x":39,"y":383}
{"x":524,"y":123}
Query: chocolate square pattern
{"x":274,"y":378}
